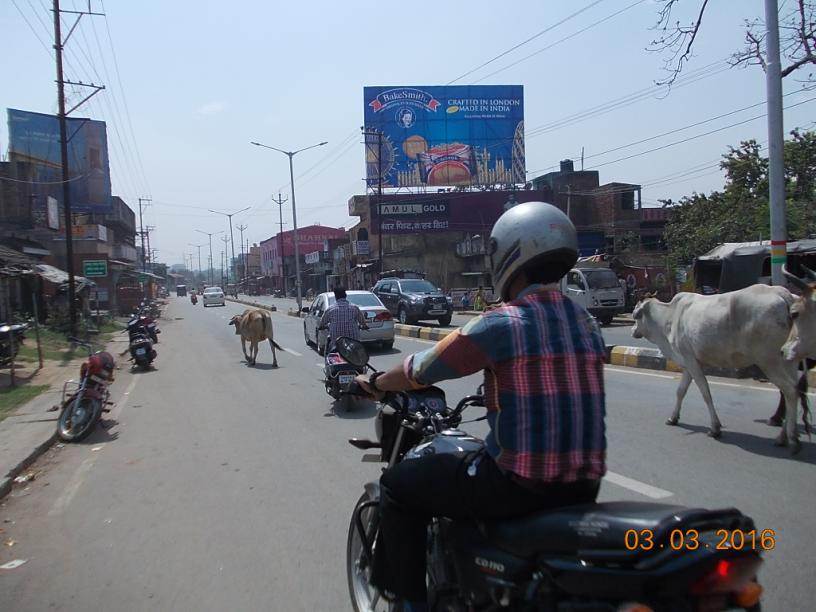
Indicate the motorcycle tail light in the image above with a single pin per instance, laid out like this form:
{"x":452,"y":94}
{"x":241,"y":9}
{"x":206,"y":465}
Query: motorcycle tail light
{"x":728,"y":576}
{"x":383,"y":316}
{"x":334,"y":359}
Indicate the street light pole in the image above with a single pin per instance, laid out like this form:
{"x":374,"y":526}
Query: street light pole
{"x":210,"y":235}
{"x":229,"y":216}
{"x":198,"y":246}
{"x":290,"y":155}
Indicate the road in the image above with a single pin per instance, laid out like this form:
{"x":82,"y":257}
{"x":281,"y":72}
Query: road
{"x":215,"y":486}
{"x":618,"y":333}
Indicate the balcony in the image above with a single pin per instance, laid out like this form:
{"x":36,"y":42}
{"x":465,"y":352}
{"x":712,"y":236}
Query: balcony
{"x":123,"y":252}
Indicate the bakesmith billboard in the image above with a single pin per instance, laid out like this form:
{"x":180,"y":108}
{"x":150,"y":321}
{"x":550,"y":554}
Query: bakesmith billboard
{"x":444,"y":135}
{"x":35,"y":138}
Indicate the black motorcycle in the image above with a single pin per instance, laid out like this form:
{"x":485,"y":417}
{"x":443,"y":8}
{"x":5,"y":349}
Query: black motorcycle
{"x":141,"y":348}
{"x":612,"y":556}
{"x":10,"y":344}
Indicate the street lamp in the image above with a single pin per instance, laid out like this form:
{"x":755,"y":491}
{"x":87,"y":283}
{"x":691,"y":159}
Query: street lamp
{"x":198,"y":246}
{"x":229,"y":216}
{"x":210,"y":235}
{"x":290,"y":155}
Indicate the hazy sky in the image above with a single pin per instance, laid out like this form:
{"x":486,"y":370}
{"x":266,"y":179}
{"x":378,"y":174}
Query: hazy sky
{"x":202,"y":79}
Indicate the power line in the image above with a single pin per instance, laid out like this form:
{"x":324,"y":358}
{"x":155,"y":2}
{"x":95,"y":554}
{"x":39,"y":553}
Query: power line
{"x":31,"y":27}
{"x":524,"y":42}
{"x":561,"y":40}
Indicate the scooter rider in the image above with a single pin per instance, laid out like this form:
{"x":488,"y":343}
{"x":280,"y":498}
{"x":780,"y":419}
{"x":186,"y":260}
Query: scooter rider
{"x":542,"y":357}
{"x":342,"y":318}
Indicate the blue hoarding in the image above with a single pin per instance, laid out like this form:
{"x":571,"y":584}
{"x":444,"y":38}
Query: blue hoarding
{"x":444,"y":135}
{"x":35,"y":138}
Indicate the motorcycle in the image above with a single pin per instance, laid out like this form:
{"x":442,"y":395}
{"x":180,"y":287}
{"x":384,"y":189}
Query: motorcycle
{"x":611,"y":556}
{"x":17,"y":330}
{"x":339,"y":374}
{"x":141,"y":348}
{"x":193,"y":299}
{"x":82,"y":408}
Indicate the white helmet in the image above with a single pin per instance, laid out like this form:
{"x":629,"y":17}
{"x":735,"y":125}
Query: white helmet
{"x":531,"y":235}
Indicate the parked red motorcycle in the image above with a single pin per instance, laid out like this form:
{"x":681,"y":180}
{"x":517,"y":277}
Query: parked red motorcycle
{"x":82,"y":406}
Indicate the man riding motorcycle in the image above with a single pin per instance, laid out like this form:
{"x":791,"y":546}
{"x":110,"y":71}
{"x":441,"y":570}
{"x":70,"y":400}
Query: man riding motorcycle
{"x":542,"y":357}
{"x":343,"y":319}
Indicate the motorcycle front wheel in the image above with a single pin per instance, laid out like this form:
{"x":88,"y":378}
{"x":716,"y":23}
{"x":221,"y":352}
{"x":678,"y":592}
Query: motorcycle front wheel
{"x":78,"y":418}
{"x":364,"y":596}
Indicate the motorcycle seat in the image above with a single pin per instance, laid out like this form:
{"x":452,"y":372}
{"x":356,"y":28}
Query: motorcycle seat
{"x":598,"y":531}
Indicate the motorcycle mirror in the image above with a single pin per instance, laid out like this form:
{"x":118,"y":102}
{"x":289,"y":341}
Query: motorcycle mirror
{"x":352,"y":351}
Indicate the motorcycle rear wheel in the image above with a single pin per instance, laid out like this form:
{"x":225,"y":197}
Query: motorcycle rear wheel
{"x":364,"y":596}
{"x":78,"y":418}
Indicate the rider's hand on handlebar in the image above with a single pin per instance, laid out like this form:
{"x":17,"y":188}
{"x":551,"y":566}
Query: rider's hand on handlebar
{"x":365,"y":384}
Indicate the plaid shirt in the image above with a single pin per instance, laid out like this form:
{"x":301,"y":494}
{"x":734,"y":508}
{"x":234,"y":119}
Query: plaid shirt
{"x":344,"y":320}
{"x":543,"y":360}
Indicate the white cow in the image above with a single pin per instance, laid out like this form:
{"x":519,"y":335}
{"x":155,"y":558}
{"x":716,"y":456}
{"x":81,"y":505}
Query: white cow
{"x":730,"y":330}
{"x":801,"y":342}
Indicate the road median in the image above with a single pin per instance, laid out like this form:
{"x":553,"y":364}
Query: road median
{"x":268,"y":307}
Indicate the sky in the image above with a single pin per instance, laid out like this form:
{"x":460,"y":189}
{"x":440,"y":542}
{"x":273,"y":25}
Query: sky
{"x":190,"y":84}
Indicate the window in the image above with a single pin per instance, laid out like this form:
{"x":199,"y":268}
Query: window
{"x":417,"y":286}
{"x":574,"y":280}
{"x":627,"y":200}
{"x":602,"y":279}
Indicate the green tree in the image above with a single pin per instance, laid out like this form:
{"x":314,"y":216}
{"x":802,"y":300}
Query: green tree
{"x":739,"y":212}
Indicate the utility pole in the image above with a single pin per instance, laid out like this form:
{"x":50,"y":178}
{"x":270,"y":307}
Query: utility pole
{"x":229,"y":216}
{"x":198,"y":246}
{"x":241,"y":229}
{"x":776,"y":144}
{"x":209,"y":236}
{"x":226,"y":240}
{"x":149,"y":229}
{"x":59,"y":45}
{"x":280,"y":201}
{"x":142,"y":234}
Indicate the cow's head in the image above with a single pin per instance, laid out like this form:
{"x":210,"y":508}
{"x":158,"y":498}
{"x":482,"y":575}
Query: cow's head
{"x":236,"y":321}
{"x":640,"y":314}
{"x":801,"y":341}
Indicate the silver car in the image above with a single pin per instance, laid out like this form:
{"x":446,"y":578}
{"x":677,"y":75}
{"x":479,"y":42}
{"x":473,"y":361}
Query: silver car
{"x":380,"y":322}
{"x":213,"y":296}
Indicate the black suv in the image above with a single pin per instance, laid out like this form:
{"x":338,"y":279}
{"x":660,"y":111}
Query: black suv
{"x":414,"y":299}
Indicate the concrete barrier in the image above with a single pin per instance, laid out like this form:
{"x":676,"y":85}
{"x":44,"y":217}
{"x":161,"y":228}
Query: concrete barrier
{"x":268,"y":307}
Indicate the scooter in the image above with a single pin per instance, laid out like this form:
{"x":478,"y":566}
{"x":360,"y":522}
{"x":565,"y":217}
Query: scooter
{"x":141,"y":348}
{"x":339,"y":374}
{"x":615,"y":556}
{"x":83,"y":406}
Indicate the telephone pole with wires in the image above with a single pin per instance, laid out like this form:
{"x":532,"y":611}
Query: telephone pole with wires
{"x":62,"y":115}
{"x":241,"y":229}
{"x":280,"y":202}
{"x":226,"y":240}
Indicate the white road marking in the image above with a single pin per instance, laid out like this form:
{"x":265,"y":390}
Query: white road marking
{"x":637,"y":486}
{"x":291,"y":352}
{"x":638,"y":372}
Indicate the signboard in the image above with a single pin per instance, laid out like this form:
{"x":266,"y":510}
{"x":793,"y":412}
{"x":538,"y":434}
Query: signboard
{"x":415,"y":216}
{"x":35,"y":138}
{"x":444,"y":135}
{"x":94,"y":267}
{"x":312,"y":258}
{"x":360,"y":247}
{"x":90,"y":231}
{"x":53,"y":213}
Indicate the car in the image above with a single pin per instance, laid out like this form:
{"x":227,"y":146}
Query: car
{"x":214,"y":296}
{"x":414,"y":299}
{"x":380,"y":322}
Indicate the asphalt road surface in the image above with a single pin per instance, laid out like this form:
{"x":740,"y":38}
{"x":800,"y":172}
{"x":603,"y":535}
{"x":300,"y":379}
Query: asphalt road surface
{"x":215,"y":486}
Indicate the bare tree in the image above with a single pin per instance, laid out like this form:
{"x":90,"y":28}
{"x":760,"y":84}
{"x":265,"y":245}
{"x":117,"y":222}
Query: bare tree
{"x":797,"y":38}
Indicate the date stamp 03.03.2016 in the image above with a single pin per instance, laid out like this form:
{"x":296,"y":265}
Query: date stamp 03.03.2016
{"x":691,"y":539}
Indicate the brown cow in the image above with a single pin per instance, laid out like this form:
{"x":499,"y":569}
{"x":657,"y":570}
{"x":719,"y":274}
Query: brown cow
{"x":256,"y":326}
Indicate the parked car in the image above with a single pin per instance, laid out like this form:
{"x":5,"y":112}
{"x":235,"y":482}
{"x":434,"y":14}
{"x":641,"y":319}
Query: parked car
{"x":214,"y":296}
{"x":413,"y":299}
{"x":380,"y":322}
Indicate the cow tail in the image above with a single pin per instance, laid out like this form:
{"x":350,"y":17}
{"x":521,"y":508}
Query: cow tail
{"x":270,"y":333}
{"x":802,"y":388}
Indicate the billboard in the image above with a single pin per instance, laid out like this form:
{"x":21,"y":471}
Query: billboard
{"x":34,"y":138}
{"x":444,"y":135}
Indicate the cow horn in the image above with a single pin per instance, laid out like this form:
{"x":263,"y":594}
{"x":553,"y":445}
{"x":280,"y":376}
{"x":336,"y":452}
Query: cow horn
{"x":795,"y":279}
{"x":810,"y":272}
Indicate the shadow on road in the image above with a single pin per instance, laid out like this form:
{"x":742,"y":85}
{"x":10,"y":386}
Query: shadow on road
{"x":758,"y":445}
{"x":360,"y":409}
{"x":262,"y":366}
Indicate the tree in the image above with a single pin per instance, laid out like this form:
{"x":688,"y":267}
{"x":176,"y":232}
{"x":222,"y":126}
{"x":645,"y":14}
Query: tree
{"x":797,"y":38}
{"x":739,"y":212}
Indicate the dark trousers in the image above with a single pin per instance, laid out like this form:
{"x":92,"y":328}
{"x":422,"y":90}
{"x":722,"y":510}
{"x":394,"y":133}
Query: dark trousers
{"x":457,"y":486}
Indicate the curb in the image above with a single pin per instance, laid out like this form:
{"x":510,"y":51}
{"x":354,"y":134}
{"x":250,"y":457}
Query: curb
{"x":253,"y":304}
{"x":645,"y":358}
{"x":7,"y":481}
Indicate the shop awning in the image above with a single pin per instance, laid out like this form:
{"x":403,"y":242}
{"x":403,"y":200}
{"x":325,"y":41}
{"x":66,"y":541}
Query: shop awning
{"x":59,"y":277}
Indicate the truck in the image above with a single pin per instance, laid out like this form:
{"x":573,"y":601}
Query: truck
{"x":597,"y":288}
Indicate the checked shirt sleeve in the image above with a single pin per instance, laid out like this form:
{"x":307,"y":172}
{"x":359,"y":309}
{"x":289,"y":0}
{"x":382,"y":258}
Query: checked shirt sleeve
{"x":465,"y":351}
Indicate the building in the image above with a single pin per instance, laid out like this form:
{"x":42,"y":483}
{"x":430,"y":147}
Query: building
{"x":444,"y":234}
{"x":277,"y":255}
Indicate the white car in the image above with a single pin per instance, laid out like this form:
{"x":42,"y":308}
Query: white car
{"x":213,"y":296}
{"x":379,"y":320}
